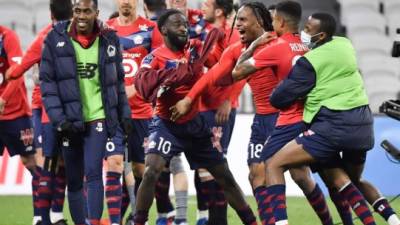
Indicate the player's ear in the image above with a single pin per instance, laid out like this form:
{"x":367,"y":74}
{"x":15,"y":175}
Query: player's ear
{"x":164,"y":31}
{"x":322,"y":36}
{"x":218,"y":12}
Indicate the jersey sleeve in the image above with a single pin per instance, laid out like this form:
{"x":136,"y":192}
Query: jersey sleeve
{"x":31,"y":57}
{"x":219,"y":71}
{"x":150,"y":61}
{"x":14,"y":54}
{"x":13,"y":48}
{"x":236,"y":89}
{"x":266,"y":57}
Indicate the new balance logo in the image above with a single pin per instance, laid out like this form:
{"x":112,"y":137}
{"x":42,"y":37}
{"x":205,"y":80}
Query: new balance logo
{"x":60,"y":44}
{"x":86,"y":71}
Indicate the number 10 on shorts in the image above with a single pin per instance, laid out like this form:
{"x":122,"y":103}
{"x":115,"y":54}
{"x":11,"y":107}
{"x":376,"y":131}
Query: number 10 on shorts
{"x":164,"y":146}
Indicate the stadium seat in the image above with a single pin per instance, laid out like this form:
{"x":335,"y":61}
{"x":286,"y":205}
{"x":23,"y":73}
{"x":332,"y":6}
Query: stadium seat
{"x":25,"y":36}
{"x":366,"y":44}
{"x":393,"y":23}
{"x":372,"y":22}
{"x":376,"y":99}
{"x":391,"y":7}
{"x":15,"y":14}
{"x":349,"y":7}
{"x":381,"y":67}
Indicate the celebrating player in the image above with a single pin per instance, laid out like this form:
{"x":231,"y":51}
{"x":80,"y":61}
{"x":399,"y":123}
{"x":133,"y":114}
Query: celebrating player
{"x":190,"y":134}
{"x":280,"y":55}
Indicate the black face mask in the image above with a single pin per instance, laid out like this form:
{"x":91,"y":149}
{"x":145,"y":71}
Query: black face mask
{"x":176,"y":40}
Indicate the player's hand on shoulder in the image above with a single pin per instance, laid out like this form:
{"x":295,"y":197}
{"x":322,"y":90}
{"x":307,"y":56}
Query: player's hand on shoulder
{"x":266,"y":38}
{"x":180,"y":109}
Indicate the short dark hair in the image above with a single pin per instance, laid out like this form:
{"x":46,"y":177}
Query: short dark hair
{"x":271,"y":7}
{"x":61,"y":9}
{"x":290,"y":10}
{"x":262,"y":14}
{"x":155,"y":5}
{"x":225,"y":5}
{"x":327,"y":23}
{"x":164,"y":17}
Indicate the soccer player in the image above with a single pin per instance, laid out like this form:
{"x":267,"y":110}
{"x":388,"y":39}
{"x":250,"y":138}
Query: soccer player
{"x":154,"y":8}
{"x":16,"y":132}
{"x":82,"y":84}
{"x":250,"y":26}
{"x":280,"y":55}
{"x":322,"y":149}
{"x":138,"y":37}
{"x":327,"y":104}
{"x":52,"y":181}
{"x":197,"y":23}
{"x":166,"y":213}
{"x":190,"y":134}
{"x":219,"y":109}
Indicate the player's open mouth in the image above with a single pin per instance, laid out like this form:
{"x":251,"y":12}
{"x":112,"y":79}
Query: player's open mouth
{"x":242,"y":33}
{"x":82,"y":24}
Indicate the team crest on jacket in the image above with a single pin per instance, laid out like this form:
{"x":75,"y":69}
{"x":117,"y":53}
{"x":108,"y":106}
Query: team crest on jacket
{"x":111,"y":50}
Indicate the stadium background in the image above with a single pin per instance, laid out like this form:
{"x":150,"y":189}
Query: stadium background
{"x":370,"y":24}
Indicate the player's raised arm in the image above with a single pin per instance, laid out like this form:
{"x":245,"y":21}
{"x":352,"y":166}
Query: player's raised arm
{"x":219,"y":71}
{"x":245,"y":65}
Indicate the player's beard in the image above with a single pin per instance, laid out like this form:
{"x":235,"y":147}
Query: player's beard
{"x":126,"y":10}
{"x":178,"y":41}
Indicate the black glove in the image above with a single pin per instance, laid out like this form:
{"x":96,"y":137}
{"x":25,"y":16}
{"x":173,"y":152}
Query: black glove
{"x":127,"y":126}
{"x":67,"y":127}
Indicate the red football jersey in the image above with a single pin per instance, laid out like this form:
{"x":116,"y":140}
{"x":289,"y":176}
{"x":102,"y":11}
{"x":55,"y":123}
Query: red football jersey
{"x":30,"y":58}
{"x":261,"y":82}
{"x":13,"y":92}
{"x":280,"y":55}
{"x":197,"y":24}
{"x":215,"y":95}
{"x":137,"y":40}
{"x":164,"y":58}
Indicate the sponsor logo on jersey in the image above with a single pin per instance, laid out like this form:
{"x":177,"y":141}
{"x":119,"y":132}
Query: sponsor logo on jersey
{"x":143,"y":27}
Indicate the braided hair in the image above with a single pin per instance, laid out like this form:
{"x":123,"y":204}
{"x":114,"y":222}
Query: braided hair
{"x":262,"y":14}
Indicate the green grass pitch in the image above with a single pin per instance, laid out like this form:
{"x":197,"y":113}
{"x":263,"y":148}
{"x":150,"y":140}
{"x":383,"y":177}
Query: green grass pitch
{"x":17,"y":210}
